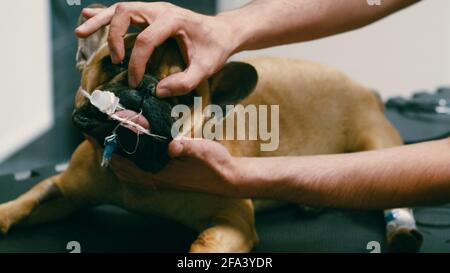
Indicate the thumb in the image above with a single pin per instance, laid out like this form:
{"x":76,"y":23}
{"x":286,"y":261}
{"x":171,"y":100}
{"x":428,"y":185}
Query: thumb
{"x":186,"y":147}
{"x":181,"y":83}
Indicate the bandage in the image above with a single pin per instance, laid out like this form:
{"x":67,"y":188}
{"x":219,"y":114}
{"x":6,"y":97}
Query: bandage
{"x":397,"y":218}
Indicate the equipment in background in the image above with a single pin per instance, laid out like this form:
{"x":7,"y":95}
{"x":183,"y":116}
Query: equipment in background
{"x":425,"y":116}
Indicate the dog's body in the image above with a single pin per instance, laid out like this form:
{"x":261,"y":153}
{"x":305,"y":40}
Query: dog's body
{"x":321,"y":112}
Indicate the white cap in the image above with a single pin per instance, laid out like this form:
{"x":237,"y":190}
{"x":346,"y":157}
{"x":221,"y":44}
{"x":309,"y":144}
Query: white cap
{"x":105,"y":101}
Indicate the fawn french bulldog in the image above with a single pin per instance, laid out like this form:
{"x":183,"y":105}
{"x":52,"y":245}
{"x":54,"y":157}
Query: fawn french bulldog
{"x":321,"y":112}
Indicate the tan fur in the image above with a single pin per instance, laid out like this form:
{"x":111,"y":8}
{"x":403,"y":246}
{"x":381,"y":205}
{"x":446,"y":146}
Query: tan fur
{"x":321,"y":112}
{"x":350,"y":118}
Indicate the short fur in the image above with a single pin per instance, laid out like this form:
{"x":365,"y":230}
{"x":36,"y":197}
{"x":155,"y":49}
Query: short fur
{"x":321,"y":112}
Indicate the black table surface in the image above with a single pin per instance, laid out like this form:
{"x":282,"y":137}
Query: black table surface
{"x":286,"y":229}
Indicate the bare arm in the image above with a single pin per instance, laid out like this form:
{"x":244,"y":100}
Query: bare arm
{"x":410,"y":175}
{"x":265,"y":23}
{"x":403,"y":176}
{"x":208,"y":41}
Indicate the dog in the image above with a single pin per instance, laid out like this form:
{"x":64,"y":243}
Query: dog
{"x":322,"y":111}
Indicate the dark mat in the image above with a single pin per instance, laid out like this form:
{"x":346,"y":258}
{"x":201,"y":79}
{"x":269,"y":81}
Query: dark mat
{"x":286,"y":229}
{"x":111,"y":229}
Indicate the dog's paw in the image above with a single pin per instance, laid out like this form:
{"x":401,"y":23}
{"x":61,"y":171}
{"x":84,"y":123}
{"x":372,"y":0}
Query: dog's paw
{"x":4,"y":222}
{"x":405,"y":240}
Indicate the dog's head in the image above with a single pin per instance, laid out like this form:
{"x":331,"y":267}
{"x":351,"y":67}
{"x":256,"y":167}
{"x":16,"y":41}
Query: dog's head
{"x":231,"y":84}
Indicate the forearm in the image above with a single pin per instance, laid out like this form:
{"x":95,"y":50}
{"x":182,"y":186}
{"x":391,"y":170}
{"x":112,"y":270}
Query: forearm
{"x":265,"y":23}
{"x":403,"y":176}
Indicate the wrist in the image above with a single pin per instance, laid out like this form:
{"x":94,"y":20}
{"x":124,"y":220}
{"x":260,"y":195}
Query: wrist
{"x":274,"y":178}
{"x":238,"y":30}
{"x":253,"y":178}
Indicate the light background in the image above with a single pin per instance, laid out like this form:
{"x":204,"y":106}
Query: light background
{"x":407,"y":51}
{"x":25,"y":73}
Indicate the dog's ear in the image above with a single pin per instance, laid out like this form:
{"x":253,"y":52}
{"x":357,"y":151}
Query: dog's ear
{"x":88,"y":46}
{"x":233,"y":83}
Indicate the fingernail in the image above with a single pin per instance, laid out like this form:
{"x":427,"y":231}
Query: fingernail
{"x":162,"y":92}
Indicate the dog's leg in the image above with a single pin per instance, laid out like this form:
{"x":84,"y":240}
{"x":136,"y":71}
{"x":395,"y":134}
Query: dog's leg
{"x":44,"y":202}
{"x":233,"y":231}
{"x":401,"y":231}
{"x":82,"y":185}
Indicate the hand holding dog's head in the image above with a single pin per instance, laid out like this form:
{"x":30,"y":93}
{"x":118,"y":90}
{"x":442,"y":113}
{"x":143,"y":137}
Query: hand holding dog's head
{"x":231,"y":84}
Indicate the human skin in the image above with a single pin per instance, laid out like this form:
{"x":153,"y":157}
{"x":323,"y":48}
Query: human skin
{"x":208,"y":41}
{"x":404,"y":176}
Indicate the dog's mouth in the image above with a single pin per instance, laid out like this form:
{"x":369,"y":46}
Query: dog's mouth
{"x":136,"y":118}
{"x":140,"y":107}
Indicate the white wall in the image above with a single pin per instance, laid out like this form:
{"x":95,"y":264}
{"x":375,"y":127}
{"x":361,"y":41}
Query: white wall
{"x":397,"y":55}
{"x":25,"y":101}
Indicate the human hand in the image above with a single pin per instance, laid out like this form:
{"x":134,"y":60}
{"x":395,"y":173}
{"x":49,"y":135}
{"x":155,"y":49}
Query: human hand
{"x":206,"y":41}
{"x":196,"y":165}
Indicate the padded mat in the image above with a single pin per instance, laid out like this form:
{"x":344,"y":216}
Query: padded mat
{"x":111,"y":229}
{"x":286,"y":229}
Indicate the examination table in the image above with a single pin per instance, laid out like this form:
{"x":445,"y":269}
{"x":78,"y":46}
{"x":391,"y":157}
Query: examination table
{"x":286,"y":229}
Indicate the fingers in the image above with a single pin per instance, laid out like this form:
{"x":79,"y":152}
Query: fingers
{"x":176,"y":148}
{"x":119,"y":25}
{"x":95,"y":23}
{"x":146,"y":42}
{"x":91,"y":12}
{"x":119,"y":165}
{"x":125,"y":169}
{"x":194,"y":148}
{"x":120,"y":16}
{"x":183,"y":82}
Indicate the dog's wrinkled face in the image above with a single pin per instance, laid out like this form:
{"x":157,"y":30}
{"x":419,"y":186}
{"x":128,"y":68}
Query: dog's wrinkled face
{"x":143,"y":108}
{"x":233,"y":83}
{"x":141,"y":104}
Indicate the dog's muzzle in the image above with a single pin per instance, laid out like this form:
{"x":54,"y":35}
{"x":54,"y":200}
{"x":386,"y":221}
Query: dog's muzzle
{"x":130,"y":122}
